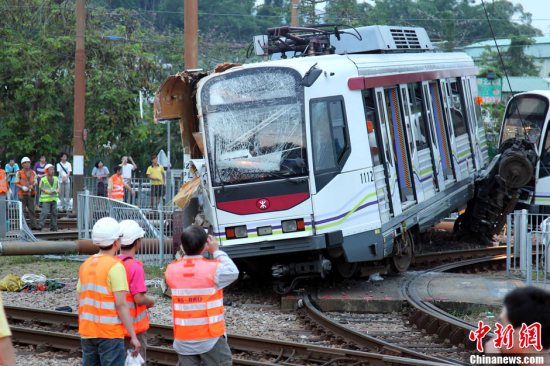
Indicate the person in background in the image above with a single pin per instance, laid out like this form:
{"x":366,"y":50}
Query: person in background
{"x":7,"y":353}
{"x":26,"y":190}
{"x":39,"y":168}
{"x":127,"y":170}
{"x":4,"y":186}
{"x":101,"y":172}
{"x":137,"y":298}
{"x":525,"y":305}
{"x":11,"y":170}
{"x":155,"y":173}
{"x":64,"y":170}
{"x":197,"y":300}
{"x":102,"y":308}
{"x":49,"y":188}
{"x":115,"y":188}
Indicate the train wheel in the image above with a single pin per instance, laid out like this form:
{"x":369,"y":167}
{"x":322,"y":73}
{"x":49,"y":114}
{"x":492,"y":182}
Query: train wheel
{"x":345,"y":269}
{"x":402,"y":253}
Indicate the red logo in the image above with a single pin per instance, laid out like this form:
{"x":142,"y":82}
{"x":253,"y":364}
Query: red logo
{"x":262,"y":203}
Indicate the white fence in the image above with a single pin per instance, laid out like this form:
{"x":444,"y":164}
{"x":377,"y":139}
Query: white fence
{"x":530,"y":236}
{"x":12,"y":222}
{"x":141,"y":187}
{"x":156,"y":247}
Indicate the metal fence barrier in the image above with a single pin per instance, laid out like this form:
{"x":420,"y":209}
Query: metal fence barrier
{"x":142,"y":191}
{"x":156,"y":248}
{"x":530,"y":236}
{"x":12,"y":222}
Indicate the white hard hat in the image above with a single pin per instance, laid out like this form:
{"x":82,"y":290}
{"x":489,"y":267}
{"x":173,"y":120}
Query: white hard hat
{"x":131,"y":231}
{"x":25,"y":160}
{"x":48,"y":166}
{"x":105,"y":232}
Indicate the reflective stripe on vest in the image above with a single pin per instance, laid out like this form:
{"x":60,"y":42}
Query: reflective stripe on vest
{"x":139,"y":314}
{"x":49,"y":197}
{"x":3,"y":182}
{"x":117,"y":190}
{"x":23,"y":180}
{"x":197,"y":305}
{"x":97,"y":314}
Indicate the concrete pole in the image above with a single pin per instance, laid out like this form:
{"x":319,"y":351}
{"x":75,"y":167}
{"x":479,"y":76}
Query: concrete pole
{"x":190,"y":28}
{"x":294,"y":13}
{"x":79,"y":102}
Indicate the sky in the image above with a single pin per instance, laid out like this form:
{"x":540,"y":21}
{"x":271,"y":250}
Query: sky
{"x":540,"y":11}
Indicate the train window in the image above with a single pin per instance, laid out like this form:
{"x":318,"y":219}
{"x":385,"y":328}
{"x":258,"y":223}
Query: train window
{"x":457,"y":112}
{"x":524,"y":118}
{"x":329,"y":133}
{"x":418,"y":118}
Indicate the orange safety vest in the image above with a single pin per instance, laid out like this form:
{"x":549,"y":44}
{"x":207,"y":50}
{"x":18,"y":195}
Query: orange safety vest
{"x":23,"y":181}
{"x":3,"y":182}
{"x":140,"y":316}
{"x":117,"y":190}
{"x":197,"y":305}
{"x":97,"y":314}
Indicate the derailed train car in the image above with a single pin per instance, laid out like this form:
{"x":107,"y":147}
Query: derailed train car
{"x":338,"y":151}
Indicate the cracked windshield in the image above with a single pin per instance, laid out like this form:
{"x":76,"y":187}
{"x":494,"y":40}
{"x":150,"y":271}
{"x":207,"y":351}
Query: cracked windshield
{"x":254,"y":126}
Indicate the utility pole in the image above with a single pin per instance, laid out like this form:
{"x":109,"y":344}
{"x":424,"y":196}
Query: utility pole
{"x":190,"y":29}
{"x":294,"y":13}
{"x":79,"y":102}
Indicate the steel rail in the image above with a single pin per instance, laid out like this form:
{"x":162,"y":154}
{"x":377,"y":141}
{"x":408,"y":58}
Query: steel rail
{"x":458,"y":254}
{"x":286,"y":353}
{"x":366,"y":341}
{"x":434,"y":319}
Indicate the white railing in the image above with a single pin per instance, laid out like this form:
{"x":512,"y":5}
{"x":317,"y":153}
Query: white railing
{"x":12,"y":222}
{"x":157,"y":224}
{"x":530,"y":236}
{"x":142,"y":195}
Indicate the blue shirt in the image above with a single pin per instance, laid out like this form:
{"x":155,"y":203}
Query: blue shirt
{"x":11,"y":169}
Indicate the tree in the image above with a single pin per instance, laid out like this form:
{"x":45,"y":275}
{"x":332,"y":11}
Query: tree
{"x":516,"y":61}
{"x":36,"y":81}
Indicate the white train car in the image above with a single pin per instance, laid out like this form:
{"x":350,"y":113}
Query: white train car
{"x":335,"y":159}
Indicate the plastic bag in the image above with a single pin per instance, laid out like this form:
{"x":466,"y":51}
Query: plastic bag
{"x":133,"y":361}
{"x":11,"y":283}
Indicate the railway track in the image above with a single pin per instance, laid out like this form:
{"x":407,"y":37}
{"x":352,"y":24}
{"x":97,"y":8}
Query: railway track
{"x":433,"y":319}
{"x":361,"y":340}
{"x":246,"y":350}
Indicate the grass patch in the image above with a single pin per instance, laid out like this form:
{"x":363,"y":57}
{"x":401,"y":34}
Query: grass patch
{"x":154,"y":271}
{"x":17,"y":259}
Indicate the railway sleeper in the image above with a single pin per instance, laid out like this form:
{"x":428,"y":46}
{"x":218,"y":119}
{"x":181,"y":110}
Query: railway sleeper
{"x":432,"y":325}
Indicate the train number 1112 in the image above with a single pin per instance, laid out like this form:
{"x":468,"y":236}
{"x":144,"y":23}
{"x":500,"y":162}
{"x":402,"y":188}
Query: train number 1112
{"x":367,"y":177}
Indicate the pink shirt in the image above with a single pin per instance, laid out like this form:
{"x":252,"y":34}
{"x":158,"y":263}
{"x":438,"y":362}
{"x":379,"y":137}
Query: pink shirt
{"x":135,"y":274}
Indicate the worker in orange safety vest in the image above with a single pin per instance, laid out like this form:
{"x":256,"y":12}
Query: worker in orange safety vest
{"x":103,"y":311}
{"x":26,"y":183}
{"x":137,"y":299}
{"x":116,"y":185}
{"x":4,"y":187}
{"x":197,"y":300}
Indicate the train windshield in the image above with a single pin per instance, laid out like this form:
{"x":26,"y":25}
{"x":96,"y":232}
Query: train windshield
{"x":524,"y":118}
{"x":254,"y":125}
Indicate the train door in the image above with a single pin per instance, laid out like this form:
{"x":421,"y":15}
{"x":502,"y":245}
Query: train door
{"x":380,"y":156}
{"x":388,"y":148}
{"x":401,"y":148}
{"x":441,"y":132}
{"x":422,"y":141}
{"x":472,"y":122}
{"x":411,"y":138}
{"x":542,"y":188}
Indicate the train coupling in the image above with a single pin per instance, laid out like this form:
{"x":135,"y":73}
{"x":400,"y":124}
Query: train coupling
{"x":320,"y":266}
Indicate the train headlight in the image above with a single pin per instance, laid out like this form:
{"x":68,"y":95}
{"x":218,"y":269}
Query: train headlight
{"x":290,"y":226}
{"x":264,"y":230}
{"x":236,"y":232}
{"x":240,"y":231}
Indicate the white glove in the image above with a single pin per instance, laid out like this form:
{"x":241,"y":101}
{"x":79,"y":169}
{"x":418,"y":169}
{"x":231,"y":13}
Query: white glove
{"x":25,"y":188}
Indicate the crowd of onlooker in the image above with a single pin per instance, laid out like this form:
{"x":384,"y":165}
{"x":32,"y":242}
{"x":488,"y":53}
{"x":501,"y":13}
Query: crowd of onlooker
{"x":49,"y":186}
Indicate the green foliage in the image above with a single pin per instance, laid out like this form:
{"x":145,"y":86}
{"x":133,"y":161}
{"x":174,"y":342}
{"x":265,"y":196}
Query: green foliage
{"x":515,"y":61}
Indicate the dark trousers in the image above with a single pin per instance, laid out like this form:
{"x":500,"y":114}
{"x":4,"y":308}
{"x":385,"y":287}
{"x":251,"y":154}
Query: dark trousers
{"x":29,"y":210}
{"x":103,"y":352}
{"x":49,"y":208}
{"x":220,"y":355}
